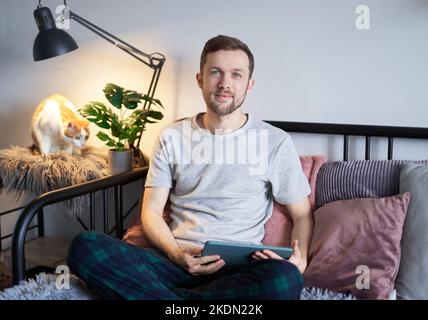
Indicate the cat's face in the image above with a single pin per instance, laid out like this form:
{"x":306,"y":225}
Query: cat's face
{"x":77,"y":133}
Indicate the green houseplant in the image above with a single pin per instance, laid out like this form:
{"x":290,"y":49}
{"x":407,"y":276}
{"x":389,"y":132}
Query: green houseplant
{"x":124,"y":124}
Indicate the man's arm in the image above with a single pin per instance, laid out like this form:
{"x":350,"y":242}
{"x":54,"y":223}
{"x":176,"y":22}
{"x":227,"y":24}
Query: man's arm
{"x":303,"y":227}
{"x":152,"y":220}
{"x":162,"y":238}
{"x":301,"y":235}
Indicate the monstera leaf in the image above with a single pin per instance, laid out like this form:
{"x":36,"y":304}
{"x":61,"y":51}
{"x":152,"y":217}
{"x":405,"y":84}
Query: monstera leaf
{"x":123,"y":129}
{"x":131,"y":99}
{"x":139,"y":117}
{"x":98,"y":113}
{"x":114,"y":94}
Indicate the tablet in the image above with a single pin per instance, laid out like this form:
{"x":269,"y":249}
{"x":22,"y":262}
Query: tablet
{"x":236,"y":254}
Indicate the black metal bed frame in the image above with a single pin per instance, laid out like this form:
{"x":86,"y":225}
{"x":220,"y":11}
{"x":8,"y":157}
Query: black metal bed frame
{"x":118,"y":181}
{"x":89,"y":188}
{"x":347,"y":130}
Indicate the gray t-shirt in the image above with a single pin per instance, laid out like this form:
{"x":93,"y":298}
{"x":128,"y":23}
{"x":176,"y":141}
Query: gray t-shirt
{"x":223,"y":185}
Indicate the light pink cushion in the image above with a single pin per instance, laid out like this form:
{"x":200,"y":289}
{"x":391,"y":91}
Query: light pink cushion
{"x":277,"y":228}
{"x":357,"y":232}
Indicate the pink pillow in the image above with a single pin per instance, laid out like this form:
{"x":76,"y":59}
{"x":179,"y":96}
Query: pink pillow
{"x":363,"y":232}
{"x":278,"y":227}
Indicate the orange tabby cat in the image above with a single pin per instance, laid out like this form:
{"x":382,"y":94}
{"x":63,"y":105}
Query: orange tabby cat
{"x":57,"y":126}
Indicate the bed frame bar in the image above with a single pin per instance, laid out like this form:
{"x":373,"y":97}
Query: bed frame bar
{"x":87,"y":188}
{"x":347,"y":130}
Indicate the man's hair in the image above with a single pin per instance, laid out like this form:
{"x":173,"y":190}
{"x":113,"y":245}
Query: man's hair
{"x":221,"y":42}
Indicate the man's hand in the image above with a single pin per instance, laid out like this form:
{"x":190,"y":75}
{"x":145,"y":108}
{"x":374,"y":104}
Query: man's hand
{"x":190,"y":259}
{"x":296,"y":258}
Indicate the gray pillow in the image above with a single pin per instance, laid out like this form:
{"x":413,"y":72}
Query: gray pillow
{"x":412,"y":278}
{"x":343,"y":180}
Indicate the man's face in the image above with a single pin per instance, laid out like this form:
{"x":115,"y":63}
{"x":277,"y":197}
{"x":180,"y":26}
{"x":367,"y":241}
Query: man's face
{"x":225,"y":80}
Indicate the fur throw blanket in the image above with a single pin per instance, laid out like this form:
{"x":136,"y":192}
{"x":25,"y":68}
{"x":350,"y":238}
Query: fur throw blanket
{"x":24,"y":171}
{"x":44,"y":287}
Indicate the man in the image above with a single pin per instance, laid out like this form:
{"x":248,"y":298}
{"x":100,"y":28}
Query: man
{"x":216,"y":193}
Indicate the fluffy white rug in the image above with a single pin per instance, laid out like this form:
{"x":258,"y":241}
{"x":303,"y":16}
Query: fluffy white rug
{"x":44,"y":288}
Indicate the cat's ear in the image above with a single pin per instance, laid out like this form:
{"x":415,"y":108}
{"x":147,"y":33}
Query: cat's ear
{"x":70,"y":125}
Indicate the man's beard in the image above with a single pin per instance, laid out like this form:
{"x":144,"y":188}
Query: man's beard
{"x":220,"y":110}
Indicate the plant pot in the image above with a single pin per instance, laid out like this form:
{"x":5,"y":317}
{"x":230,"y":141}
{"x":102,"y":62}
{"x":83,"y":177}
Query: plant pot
{"x":120,"y":161}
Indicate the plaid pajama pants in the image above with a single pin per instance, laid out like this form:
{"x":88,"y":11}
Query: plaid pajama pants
{"x":118,"y":270}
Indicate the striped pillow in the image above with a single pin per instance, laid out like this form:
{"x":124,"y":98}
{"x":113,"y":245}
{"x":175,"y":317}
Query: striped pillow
{"x":343,"y":180}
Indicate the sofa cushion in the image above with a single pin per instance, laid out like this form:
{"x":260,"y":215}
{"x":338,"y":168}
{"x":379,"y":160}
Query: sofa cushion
{"x":342,"y":180}
{"x":357,"y":238}
{"x":412,"y":279}
{"x":278,"y":227}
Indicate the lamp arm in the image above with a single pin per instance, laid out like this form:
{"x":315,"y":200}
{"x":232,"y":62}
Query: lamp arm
{"x":155,"y":60}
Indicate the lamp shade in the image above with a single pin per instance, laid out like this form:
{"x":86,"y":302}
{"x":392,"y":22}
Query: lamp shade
{"x":51,"y":41}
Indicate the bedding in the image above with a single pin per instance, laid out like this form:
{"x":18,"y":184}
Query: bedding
{"x":44,"y":287}
{"x":412,"y":279}
{"x":278,"y":227}
{"x":357,"y":198}
{"x":342,"y":180}
{"x":356,"y":236}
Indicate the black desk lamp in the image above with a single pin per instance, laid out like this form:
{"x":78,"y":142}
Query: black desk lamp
{"x":52,"y":42}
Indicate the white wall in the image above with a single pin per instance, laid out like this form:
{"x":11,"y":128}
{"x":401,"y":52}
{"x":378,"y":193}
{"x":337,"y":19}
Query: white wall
{"x":312,"y":64}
